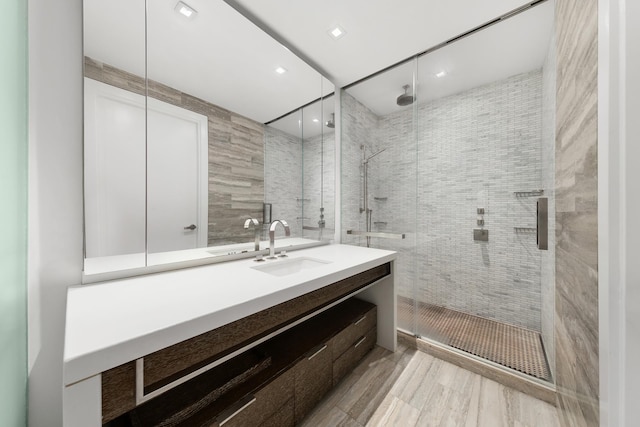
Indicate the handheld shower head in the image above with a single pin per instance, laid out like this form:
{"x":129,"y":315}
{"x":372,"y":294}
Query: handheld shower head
{"x":405,"y":99}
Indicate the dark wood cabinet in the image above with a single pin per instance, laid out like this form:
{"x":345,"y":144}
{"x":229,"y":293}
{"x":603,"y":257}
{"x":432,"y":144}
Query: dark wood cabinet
{"x":283,"y":417}
{"x":348,"y":336}
{"x":168,"y":364}
{"x":275,"y":383}
{"x":350,"y":358}
{"x":313,"y":378}
{"x":264,"y":403}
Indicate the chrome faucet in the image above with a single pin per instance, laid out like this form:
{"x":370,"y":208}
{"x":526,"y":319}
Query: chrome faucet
{"x":272,"y":235}
{"x":256,"y":226}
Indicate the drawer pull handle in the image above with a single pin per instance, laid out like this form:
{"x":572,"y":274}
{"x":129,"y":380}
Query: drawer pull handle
{"x":363,"y":317}
{"x":360,"y":342}
{"x":317,"y":352}
{"x":244,"y":404}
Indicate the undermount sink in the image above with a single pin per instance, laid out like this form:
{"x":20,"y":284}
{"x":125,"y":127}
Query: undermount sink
{"x":286,"y":266}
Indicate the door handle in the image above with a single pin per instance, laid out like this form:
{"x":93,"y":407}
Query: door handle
{"x":542,"y":226}
{"x":191,"y":227}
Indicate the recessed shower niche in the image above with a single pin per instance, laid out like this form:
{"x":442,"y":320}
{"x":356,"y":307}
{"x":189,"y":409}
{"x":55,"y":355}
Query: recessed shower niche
{"x":189,"y":121}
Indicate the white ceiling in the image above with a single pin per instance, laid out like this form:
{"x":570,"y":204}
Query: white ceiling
{"x":513,"y":46}
{"x":378,"y":32}
{"x":225,"y":59}
{"x":218,"y":56}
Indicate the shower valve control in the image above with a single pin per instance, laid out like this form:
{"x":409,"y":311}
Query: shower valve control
{"x":480,"y":235}
{"x":480,"y":218}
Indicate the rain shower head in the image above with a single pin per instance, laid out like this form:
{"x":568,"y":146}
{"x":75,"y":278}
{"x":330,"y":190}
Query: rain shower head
{"x":331,"y":123}
{"x":405,"y":99}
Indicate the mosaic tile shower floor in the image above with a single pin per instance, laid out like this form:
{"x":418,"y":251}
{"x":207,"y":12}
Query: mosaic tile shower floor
{"x":507,"y":345}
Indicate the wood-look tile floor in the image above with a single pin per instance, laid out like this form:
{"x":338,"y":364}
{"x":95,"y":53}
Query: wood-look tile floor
{"x":411,"y":388}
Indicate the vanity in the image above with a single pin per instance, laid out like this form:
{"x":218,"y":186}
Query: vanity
{"x":235,"y":343}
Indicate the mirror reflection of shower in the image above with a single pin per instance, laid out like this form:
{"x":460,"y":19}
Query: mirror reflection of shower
{"x":331,"y":123}
{"x":365,"y":188}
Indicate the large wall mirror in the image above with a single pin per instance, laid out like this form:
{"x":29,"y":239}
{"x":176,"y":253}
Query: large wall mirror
{"x":195,"y":121}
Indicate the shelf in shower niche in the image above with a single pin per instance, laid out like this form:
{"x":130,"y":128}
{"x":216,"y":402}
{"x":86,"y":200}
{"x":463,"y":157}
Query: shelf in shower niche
{"x":302,"y":200}
{"x":531,"y":193}
{"x":380,"y":199}
{"x":379,"y":223}
{"x":525,"y":229}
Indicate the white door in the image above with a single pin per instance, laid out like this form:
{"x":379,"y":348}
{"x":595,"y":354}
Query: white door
{"x":119,"y":197}
{"x":177,"y":178}
{"x":114,"y":178}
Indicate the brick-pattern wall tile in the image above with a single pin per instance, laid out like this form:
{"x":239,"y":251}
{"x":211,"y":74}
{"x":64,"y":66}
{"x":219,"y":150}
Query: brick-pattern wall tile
{"x":474,"y":149}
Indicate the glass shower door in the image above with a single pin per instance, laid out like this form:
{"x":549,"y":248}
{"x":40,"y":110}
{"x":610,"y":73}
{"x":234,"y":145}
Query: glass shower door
{"x":379,"y":173}
{"x":459,"y":172}
{"x":481,"y":146}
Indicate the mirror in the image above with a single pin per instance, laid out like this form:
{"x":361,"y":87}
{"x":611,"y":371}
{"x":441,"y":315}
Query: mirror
{"x":177,"y":153}
{"x":310,"y":203}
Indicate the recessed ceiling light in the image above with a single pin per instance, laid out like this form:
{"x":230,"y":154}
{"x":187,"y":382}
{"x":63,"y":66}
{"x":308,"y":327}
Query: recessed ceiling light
{"x":185,"y":10}
{"x":441,"y":74}
{"x":315,"y":120}
{"x":281,"y":70}
{"x":337,"y":32}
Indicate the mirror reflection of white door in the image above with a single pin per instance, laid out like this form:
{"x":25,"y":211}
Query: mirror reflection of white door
{"x":176,"y":178}
{"x":114,"y":182}
{"x":115,"y":155}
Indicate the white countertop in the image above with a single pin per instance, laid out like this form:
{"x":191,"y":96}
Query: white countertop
{"x":106,"y":264}
{"x":112,"y":323}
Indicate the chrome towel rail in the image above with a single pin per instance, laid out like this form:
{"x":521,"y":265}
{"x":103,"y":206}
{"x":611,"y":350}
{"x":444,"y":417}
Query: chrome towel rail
{"x":531,"y":193}
{"x":308,"y":227}
{"x":377,"y":234}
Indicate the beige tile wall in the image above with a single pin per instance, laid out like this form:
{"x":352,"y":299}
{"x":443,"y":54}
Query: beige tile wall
{"x":576,"y":319}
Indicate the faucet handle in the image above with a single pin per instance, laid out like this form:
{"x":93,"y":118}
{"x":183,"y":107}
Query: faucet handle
{"x":285,"y":225}
{"x":251,"y":221}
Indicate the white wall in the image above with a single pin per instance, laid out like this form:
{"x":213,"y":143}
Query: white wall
{"x":55,"y":194}
{"x":619,"y":208}
{"x":13,"y":209}
{"x":632,"y":212}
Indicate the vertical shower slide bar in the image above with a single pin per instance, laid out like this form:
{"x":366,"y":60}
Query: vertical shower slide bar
{"x":365,"y":170}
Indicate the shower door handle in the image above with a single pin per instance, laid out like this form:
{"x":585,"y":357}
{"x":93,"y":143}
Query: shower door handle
{"x":542,"y":227}
{"x":190,"y":227}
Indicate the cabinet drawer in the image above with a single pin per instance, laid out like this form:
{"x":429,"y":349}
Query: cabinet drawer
{"x":350,"y":358}
{"x":312,"y":379}
{"x":357,"y":329}
{"x":283,"y":417}
{"x":268,"y":401}
{"x":118,"y":391}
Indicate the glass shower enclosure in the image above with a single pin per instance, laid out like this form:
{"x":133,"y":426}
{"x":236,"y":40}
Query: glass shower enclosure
{"x":448,"y":159}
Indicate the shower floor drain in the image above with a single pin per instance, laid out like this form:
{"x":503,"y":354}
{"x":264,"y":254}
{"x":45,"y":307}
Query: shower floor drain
{"x":507,"y":345}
